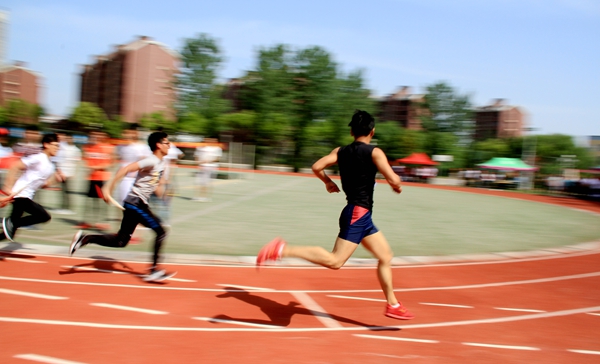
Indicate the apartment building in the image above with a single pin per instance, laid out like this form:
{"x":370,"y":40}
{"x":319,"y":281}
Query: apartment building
{"x":18,"y":82}
{"x":498,"y":120}
{"x":134,"y":80}
{"x":402,"y":107}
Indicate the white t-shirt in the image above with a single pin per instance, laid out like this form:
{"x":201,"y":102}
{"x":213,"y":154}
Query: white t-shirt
{"x":133,"y":152}
{"x":39,"y":169}
{"x":148,"y":178}
{"x":208,"y":155}
{"x":67,"y":158}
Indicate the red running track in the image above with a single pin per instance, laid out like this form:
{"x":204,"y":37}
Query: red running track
{"x":55,"y":309}
{"x":535,"y":310}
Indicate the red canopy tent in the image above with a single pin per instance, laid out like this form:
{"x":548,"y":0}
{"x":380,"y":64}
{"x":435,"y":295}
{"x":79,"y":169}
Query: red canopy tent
{"x":417,"y":158}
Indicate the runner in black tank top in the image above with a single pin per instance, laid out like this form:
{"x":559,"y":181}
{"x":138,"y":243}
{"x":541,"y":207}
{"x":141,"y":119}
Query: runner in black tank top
{"x":358,"y":163}
{"x":357,"y":171}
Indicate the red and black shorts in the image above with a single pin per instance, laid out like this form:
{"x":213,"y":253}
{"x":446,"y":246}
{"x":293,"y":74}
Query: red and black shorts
{"x":356,"y":223}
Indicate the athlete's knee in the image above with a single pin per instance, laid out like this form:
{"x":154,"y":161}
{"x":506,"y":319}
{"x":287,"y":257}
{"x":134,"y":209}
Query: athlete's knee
{"x":45,"y":217}
{"x":334,"y":263}
{"x":123,"y":240}
{"x":386,"y":258}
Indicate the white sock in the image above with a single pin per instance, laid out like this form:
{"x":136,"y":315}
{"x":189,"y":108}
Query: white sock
{"x":396,"y":305}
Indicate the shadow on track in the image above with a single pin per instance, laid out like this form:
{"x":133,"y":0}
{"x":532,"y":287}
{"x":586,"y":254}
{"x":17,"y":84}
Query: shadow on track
{"x":280,"y":314}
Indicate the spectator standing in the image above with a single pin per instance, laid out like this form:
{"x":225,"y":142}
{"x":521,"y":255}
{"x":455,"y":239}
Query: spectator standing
{"x":67,"y":159}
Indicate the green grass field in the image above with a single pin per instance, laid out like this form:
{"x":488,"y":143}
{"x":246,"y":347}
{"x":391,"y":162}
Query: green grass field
{"x":249,"y":211}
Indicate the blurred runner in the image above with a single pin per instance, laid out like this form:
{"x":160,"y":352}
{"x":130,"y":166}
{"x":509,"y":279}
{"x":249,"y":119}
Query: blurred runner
{"x":149,"y":179}
{"x":36,"y":171}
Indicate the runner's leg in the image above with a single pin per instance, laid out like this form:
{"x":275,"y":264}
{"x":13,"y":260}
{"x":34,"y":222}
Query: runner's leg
{"x":342,"y":250}
{"x":378,"y":245}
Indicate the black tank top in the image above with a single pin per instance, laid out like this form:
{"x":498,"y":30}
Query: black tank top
{"x":357,"y":171}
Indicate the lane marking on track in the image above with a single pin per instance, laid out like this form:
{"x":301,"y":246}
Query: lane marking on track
{"x":181,"y":280}
{"x":517,"y":309}
{"x":444,"y":305}
{"x":584,"y":351}
{"x":250,"y":288}
{"x":30,"y":294}
{"x":593,"y":314}
{"x":92,"y":269}
{"x":397,"y":339}
{"x":512,"y":347}
{"x":574,"y":254}
{"x":24,"y":260}
{"x":315,"y":329}
{"x":129,"y":308}
{"x":316,"y":310}
{"x":45,"y":359}
{"x":420,"y":289}
{"x":357,"y":298}
{"x":234,"y":322}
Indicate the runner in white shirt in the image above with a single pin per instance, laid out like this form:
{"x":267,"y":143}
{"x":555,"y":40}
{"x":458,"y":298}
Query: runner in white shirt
{"x":207,"y":158}
{"x":37,"y":172}
{"x":149,"y":179}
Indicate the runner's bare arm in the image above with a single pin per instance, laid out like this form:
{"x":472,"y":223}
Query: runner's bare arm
{"x":122,"y":172}
{"x":386,"y":170}
{"x":319,"y":170}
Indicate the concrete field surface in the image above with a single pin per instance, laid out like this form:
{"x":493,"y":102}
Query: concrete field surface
{"x":250,"y":209}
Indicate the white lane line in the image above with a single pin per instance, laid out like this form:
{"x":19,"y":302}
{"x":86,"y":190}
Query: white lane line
{"x":129,"y":308}
{"x":398,"y":339}
{"x":584,"y":351}
{"x":309,"y":329}
{"x":316,"y":310}
{"x":356,"y":298}
{"x":251,"y":288}
{"x":24,"y":260}
{"x":512,"y":347}
{"x":45,"y":359}
{"x":517,"y":309}
{"x":444,"y":305}
{"x":593,"y":314}
{"x":234,"y":322}
{"x":30,"y":294}
{"x":420,"y":289}
{"x":181,"y":280}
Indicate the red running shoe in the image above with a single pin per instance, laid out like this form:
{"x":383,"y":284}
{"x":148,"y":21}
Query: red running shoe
{"x":271,"y":251}
{"x":400,"y":312}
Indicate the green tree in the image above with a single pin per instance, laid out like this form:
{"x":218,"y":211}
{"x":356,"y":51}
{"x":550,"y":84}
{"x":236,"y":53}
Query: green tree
{"x":89,"y":115}
{"x":3,"y":115}
{"x":270,"y":87}
{"x":21,"y":112}
{"x":196,"y":83}
{"x":193,"y":123}
{"x":411,"y":141}
{"x":115,"y":127}
{"x":157,"y":120}
{"x":551,"y":149}
{"x":447,"y":111}
{"x":388,"y":137}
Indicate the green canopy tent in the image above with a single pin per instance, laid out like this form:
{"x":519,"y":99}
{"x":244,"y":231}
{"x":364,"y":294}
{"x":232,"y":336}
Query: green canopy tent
{"x":507,"y":164}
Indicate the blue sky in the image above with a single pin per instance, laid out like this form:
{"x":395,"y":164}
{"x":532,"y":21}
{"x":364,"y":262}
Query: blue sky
{"x":541,"y":55}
